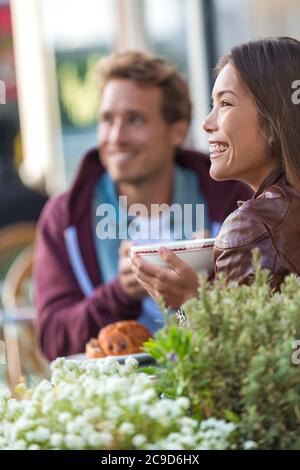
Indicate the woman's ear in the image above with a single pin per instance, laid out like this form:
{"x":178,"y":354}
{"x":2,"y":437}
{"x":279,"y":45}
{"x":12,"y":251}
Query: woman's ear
{"x":179,"y":132}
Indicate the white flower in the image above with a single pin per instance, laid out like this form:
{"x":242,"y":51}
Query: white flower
{"x":74,"y":442}
{"x":34,"y":447}
{"x":186,"y":430}
{"x":92,"y":413}
{"x":250,"y":445}
{"x":22,"y":424}
{"x":41,"y":434}
{"x":43,"y":388}
{"x":183,"y":403}
{"x":98,"y":440}
{"x":64,"y":417}
{"x":94,"y":440}
{"x":189,"y":441}
{"x":13,"y":405}
{"x":56,"y":439}
{"x":148,"y":395}
{"x":19,"y":445}
{"x":2,"y":442}
{"x":95,"y":404}
{"x":127,"y":428}
{"x":30,"y":411}
{"x":139,"y":440}
{"x":210,"y":422}
{"x":131,"y":363}
{"x":4,"y":393}
{"x":185,"y":421}
{"x":171,"y":446}
{"x":57,"y":363}
{"x":106,"y":438}
{"x":114,"y":414}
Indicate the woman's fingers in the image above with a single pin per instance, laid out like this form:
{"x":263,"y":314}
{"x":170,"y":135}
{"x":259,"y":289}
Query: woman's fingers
{"x":157,"y":271}
{"x":152,"y":274}
{"x":125,"y":248}
{"x":149,"y":289}
{"x":142,"y":266}
{"x":140,"y":276}
{"x":175,"y":283}
{"x":152,"y":278}
{"x":173,"y":261}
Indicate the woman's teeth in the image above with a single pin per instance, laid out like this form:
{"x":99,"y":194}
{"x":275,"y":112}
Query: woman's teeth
{"x":218,"y":148}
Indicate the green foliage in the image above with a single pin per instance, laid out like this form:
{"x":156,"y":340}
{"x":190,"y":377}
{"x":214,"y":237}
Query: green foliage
{"x":232,"y":357}
{"x":78,"y":92}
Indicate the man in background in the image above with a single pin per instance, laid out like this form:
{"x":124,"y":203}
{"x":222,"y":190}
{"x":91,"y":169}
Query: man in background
{"x":83,"y":281}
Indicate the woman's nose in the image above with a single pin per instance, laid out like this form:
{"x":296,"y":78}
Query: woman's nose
{"x":210,"y":123}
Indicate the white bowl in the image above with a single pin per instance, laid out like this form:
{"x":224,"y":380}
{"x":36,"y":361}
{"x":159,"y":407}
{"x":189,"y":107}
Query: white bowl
{"x":196,"y":253}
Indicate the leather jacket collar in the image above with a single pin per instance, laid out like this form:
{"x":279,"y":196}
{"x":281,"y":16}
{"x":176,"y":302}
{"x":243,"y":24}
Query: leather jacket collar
{"x":268,"y":181}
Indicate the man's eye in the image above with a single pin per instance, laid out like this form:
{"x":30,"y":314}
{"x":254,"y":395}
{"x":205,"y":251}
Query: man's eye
{"x":106,"y":118}
{"x":135,"y":119}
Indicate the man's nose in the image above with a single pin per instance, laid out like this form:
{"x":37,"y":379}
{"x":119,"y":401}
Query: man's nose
{"x":210,"y":123}
{"x":117,"y":132}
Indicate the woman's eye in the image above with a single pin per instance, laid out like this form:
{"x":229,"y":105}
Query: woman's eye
{"x":225,"y":103}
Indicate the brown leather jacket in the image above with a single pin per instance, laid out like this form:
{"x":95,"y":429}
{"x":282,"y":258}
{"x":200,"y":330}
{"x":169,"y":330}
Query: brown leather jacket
{"x":269,"y":221}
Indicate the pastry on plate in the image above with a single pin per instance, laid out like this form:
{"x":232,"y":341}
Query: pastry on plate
{"x":93,"y":349}
{"x":118,"y":339}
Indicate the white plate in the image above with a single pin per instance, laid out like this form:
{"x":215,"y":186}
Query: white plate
{"x":140,"y":357}
{"x":197,"y":253}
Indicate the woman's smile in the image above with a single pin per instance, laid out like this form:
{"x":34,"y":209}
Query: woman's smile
{"x":217,"y":149}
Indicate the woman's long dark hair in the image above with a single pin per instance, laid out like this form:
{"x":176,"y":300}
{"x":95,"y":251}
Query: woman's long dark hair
{"x":270,"y":68}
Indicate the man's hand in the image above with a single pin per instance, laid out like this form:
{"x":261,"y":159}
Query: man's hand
{"x":175,"y":284}
{"x":127,"y":277}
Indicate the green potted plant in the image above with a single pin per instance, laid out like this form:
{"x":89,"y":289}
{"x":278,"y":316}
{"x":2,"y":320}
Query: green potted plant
{"x":233,"y":357}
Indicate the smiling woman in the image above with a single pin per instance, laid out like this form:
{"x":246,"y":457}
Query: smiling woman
{"x":238,"y":148}
{"x":254,"y":137}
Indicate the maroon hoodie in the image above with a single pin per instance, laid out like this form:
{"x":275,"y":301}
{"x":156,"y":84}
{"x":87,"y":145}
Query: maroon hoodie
{"x":71,"y":300}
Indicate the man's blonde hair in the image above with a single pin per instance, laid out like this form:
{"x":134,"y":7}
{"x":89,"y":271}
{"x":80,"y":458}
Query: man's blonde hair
{"x":146,"y":71}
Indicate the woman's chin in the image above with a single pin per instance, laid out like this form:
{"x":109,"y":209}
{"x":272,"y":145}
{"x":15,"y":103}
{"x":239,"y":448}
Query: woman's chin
{"x":217,"y":173}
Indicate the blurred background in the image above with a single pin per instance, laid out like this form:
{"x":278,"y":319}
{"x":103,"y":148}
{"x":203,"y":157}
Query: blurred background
{"x":48,"y":50}
{"x":49,"y":99}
